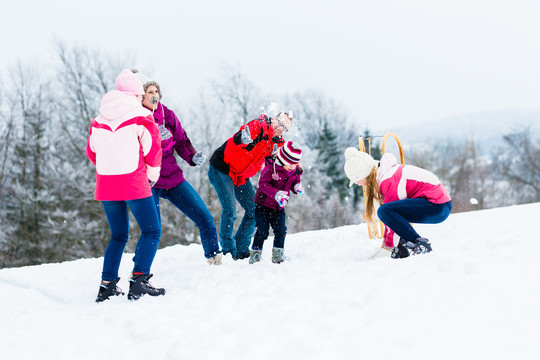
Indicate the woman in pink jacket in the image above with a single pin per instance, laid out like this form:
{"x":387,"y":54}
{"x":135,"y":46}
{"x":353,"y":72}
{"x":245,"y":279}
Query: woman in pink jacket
{"x":406,"y":193}
{"x":125,"y":146}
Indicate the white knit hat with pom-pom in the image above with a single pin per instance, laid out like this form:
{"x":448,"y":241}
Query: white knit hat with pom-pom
{"x":358,"y":165}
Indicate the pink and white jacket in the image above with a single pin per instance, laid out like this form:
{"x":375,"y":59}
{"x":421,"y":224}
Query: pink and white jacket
{"x":125,"y":145}
{"x":398,"y":182}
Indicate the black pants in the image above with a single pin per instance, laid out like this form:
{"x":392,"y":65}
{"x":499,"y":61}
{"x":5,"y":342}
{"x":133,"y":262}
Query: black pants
{"x":264,"y":218}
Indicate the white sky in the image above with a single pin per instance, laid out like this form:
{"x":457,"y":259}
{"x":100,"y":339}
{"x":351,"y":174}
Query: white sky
{"x":390,"y":62}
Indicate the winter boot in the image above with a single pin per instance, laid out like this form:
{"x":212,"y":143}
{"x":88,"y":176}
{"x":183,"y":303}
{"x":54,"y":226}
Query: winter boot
{"x":255,"y":256}
{"x":106,"y":290}
{"x":278,"y":255}
{"x":419,"y":246}
{"x":241,"y":256}
{"x":400,"y":251}
{"x":215,"y":260}
{"x":139,"y":285}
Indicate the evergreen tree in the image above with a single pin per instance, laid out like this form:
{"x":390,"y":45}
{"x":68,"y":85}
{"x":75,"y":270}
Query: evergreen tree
{"x":330,"y":162}
{"x":372,"y":147}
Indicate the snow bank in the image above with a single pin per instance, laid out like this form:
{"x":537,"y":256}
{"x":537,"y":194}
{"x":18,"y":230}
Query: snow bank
{"x":476,"y":295}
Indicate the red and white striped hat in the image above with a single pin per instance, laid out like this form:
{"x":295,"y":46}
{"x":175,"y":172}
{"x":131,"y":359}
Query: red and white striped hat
{"x":289,"y":154}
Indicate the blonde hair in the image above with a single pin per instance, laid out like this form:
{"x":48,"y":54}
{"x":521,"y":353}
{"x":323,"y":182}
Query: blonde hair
{"x":372,"y":192}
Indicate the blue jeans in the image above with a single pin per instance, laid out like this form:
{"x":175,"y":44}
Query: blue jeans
{"x":264,"y":218}
{"x":188,"y":201}
{"x":228,"y":194}
{"x":144,"y":211}
{"x":398,"y":215}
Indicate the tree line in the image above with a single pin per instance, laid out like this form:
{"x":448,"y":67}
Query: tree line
{"x":47,"y":211}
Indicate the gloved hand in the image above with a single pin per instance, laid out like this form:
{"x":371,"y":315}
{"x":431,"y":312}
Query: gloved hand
{"x":246,"y":136}
{"x":164,"y":132}
{"x":198,"y":159}
{"x":299,"y":188}
{"x":282,"y":198}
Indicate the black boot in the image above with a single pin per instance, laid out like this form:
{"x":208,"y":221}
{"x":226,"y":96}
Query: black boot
{"x":139,"y":285}
{"x":400,"y":251}
{"x":108,"y":290}
{"x":241,"y":256}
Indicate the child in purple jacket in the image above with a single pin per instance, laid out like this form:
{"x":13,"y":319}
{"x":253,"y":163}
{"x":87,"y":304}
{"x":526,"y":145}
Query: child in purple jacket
{"x":279,"y":177}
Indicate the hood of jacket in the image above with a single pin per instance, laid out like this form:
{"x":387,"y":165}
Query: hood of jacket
{"x":118,"y":105}
{"x":388,"y":161}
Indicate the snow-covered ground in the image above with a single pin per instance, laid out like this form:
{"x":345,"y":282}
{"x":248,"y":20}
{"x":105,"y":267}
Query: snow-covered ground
{"x":476,"y":295}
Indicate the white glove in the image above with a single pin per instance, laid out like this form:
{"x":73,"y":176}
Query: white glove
{"x":246,"y":136}
{"x":164,"y":132}
{"x":282,"y":198}
{"x":198,"y":159}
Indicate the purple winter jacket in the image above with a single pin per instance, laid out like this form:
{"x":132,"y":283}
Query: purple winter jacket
{"x":274,"y":178}
{"x":171,"y":174}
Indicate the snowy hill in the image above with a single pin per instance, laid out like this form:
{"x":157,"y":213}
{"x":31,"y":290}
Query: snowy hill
{"x":475,"y":296}
{"x":485,"y":128}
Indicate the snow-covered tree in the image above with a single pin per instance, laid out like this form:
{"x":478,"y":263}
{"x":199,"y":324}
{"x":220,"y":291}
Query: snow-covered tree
{"x":25,"y":199}
{"x":518,"y":163}
{"x":325,"y":131}
{"x":467,"y":176}
{"x":330,"y":163}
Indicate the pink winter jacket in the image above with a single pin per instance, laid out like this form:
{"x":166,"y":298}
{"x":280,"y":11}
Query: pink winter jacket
{"x":398,"y":182}
{"x":125,"y":145}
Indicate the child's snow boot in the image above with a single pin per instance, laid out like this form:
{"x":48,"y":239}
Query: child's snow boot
{"x":278,"y":255}
{"x":106,"y":290}
{"x":419,"y":246}
{"x":139,"y":285}
{"x":255,"y":256}
{"x":215,"y":260}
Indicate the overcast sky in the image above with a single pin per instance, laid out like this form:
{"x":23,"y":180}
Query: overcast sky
{"x":389,"y":62}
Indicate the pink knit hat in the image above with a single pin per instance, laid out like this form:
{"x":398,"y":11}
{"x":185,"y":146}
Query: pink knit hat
{"x":129,"y":83}
{"x":289,"y":154}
